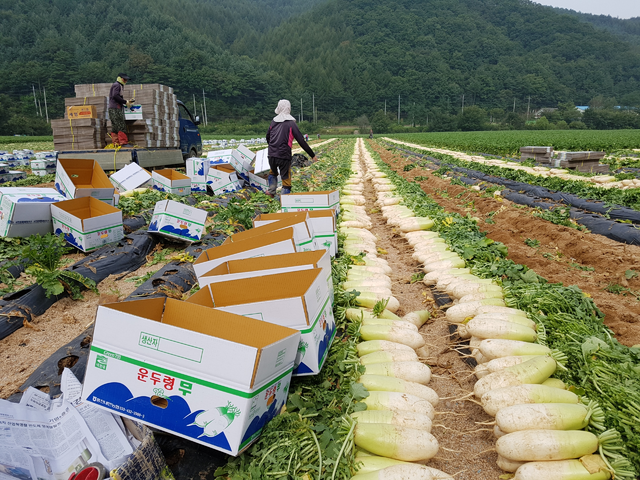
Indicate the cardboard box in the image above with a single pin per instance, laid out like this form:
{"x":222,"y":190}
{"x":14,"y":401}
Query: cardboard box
{"x":130,"y":177}
{"x":13,"y":176}
{"x":275,"y":243}
{"x":26,"y":211}
{"x":43,"y":172}
{"x":77,"y":178}
{"x":299,"y":300}
{"x":83,"y":111}
{"x":209,"y":376}
{"x":178,"y":221}
{"x":87,"y":223}
{"x":133,"y":113}
{"x":300,"y":201}
{"x":170,"y":181}
{"x":303,"y":231}
{"x":323,"y":225}
{"x":261,"y":182}
{"x":222,"y":178}
{"x":41,"y":164}
{"x":261,"y":164}
{"x":239,"y":158}
{"x":197,"y":169}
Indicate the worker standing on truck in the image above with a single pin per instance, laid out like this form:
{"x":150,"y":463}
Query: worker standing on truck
{"x":116,"y":110}
{"x":282,"y":131}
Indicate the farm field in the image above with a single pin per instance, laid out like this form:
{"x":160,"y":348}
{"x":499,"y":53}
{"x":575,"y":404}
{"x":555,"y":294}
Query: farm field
{"x":575,"y":284}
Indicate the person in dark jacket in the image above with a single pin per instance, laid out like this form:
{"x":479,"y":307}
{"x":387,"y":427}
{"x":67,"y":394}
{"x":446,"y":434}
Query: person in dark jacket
{"x":116,"y":110}
{"x":282,"y":131}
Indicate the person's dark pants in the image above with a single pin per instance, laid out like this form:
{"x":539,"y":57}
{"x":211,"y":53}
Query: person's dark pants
{"x":117,"y":120}
{"x":282,"y":167}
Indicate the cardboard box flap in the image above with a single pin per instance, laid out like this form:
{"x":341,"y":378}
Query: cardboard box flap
{"x":266,"y":218}
{"x":223,"y":167}
{"x":171,"y":174}
{"x":85,"y":173}
{"x":87,"y":208}
{"x":297,"y":219}
{"x":267,"y":263}
{"x":249,"y":244}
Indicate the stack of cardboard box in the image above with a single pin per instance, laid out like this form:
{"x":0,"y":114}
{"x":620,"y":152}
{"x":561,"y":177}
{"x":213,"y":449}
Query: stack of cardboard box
{"x":581,"y":161}
{"x":539,"y":154}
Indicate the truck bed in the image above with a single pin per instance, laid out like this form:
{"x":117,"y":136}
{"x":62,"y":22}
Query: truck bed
{"x":113,"y":160}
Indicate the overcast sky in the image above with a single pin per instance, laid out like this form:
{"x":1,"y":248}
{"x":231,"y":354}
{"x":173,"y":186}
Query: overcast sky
{"x":615,"y":8}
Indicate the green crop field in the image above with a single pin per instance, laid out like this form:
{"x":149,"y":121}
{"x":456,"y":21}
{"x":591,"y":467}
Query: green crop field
{"x":508,"y":143}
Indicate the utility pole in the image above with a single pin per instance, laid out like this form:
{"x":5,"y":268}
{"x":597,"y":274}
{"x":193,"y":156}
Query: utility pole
{"x":414,"y":114}
{"x":528,"y":106}
{"x":195,"y":110}
{"x":463,"y":103}
{"x":398,"y":109}
{"x":35,"y":102}
{"x":204,"y":107}
{"x":301,"y":111}
{"x":385,"y":108}
{"x":514,"y":105}
{"x":44,"y":89}
{"x":313,"y":107}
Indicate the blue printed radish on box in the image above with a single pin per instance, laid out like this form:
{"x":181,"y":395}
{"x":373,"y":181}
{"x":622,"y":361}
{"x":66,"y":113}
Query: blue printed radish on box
{"x":12,"y":176}
{"x":239,"y":158}
{"x":222,"y":178}
{"x":211,"y":377}
{"x":197,"y":171}
{"x":297,"y":299}
{"x":178,"y":221}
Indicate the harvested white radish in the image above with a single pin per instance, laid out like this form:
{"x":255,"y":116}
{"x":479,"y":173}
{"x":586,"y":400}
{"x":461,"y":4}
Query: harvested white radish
{"x":490,"y":328}
{"x":397,"y":401}
{"x":547,"y":416}
{"x":405,"y":471}
{"x":509,"y":465}
{"x":555,"y":383}
{"x":496,"y":348}
{"x":458,"y":313}
{"x":373,"y":463}
{"x":432,"y":278}
{"x":536,"y":370}
{"x":392,"y":334}
{"x":409,"y":371}
{"x":365,"y":348}
{"x":395,"y":417}
{"x":444,"y":264}
{"x":423,"y":352}
{"x":500,"y":398}
{"x":426,"y":258}
{"x":544,"y":445}
{"x":588,"y":467}
{"x":507,"y":317}
{"x":465,"y":289}
{"x":400,"y":443}
{"x":418,"y":318}
{"x":382,"y":383}
{"x":391,"y":323}
{"x":369,"y":300}
{"x":488,"y":308}
{"x":474,"y":297}
{"x":501,"y":363}
{"x":384,"y":357}
{"x":497,"y":432}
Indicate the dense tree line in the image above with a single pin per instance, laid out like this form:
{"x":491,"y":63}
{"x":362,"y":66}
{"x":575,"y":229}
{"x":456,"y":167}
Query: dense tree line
{"x":348,"y":58}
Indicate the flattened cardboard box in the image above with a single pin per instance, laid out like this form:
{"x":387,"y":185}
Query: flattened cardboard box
{"x":131,"y":176}
{"x":87,"y":223}
{"x":299,"y":300}
{"x":271,"y":265}
{"x":303,"y":231}
{"x":222,"y":178}
{"x":76,"y":178}
{"x":170,"y":181}
{"x":310,"y":201}
{"x":205,"y":375}
{"x":177,"y":220}
{"x":26,"y":211}
{"x":274,"y":243}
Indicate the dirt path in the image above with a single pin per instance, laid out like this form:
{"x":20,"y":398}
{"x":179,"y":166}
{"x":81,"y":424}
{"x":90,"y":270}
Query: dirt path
{"x":564,"y":255}
{"x":462,"y":442}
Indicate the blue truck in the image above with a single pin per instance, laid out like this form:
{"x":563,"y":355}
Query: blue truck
{"x":149,"y":157}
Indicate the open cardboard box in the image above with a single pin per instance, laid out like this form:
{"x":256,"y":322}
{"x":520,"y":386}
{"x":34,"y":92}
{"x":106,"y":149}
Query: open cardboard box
{"x":323,"y":223}
{"x":171,"y":181}
{"x":177,"y":220}
{"x":129,"y":177}
{"x":239,"y":158}
{"x":311,"y":201}
{"x":223,"y":178}
{"x":303,"y":231}
{"x":274,"y":243}
{"x":87,"y":223}
{"x":76,"y":178}
{"x":299,"y":300}
{"x":271,"y":265}
{"x":26,"y":211}
{"x":206,"y":375}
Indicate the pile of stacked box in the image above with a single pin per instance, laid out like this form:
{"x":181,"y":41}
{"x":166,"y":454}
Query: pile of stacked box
{"x":539,"y":154}
{"x":581,"y":161}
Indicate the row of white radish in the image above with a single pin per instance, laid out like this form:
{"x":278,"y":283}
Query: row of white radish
{"x":539,"y":424}
{"x":393,"y":435}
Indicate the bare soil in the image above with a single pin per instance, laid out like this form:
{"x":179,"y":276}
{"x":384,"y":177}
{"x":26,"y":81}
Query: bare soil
{"x":466,"y":449}
{"x":565,"y":255}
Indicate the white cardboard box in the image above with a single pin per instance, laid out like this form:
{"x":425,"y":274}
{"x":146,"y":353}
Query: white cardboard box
{"x":129,"y":177}
{"x":170,"y":181}
{"x":197,"y":171}
{"x":311,"y":201}
{"x":208,"y":376}
{"x":133,"y":113}
{"x":261,"y":181}
{"x":87,"y":223}
{"x":222,"y":178}
{"x":26,"y":211}
{"x":261,"y":162}
{"x":45,"y":163}
{"x":239,"y":158}
{"x":274,"y":243}
{"x":77,"y":178}
{"x":303,"y":231}
{"x":299,"y":300}
{"x":179,"y":221}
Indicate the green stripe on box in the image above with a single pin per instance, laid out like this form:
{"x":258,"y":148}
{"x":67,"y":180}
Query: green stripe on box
{"x":313,"y":325}
{"x":9,"y":216}
{"x":180,"y":218}
{"x":196,"y":380}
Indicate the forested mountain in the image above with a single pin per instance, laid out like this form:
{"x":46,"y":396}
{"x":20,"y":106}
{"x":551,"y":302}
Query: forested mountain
{"x":627,"y":29}
{"x":348,"y":56}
